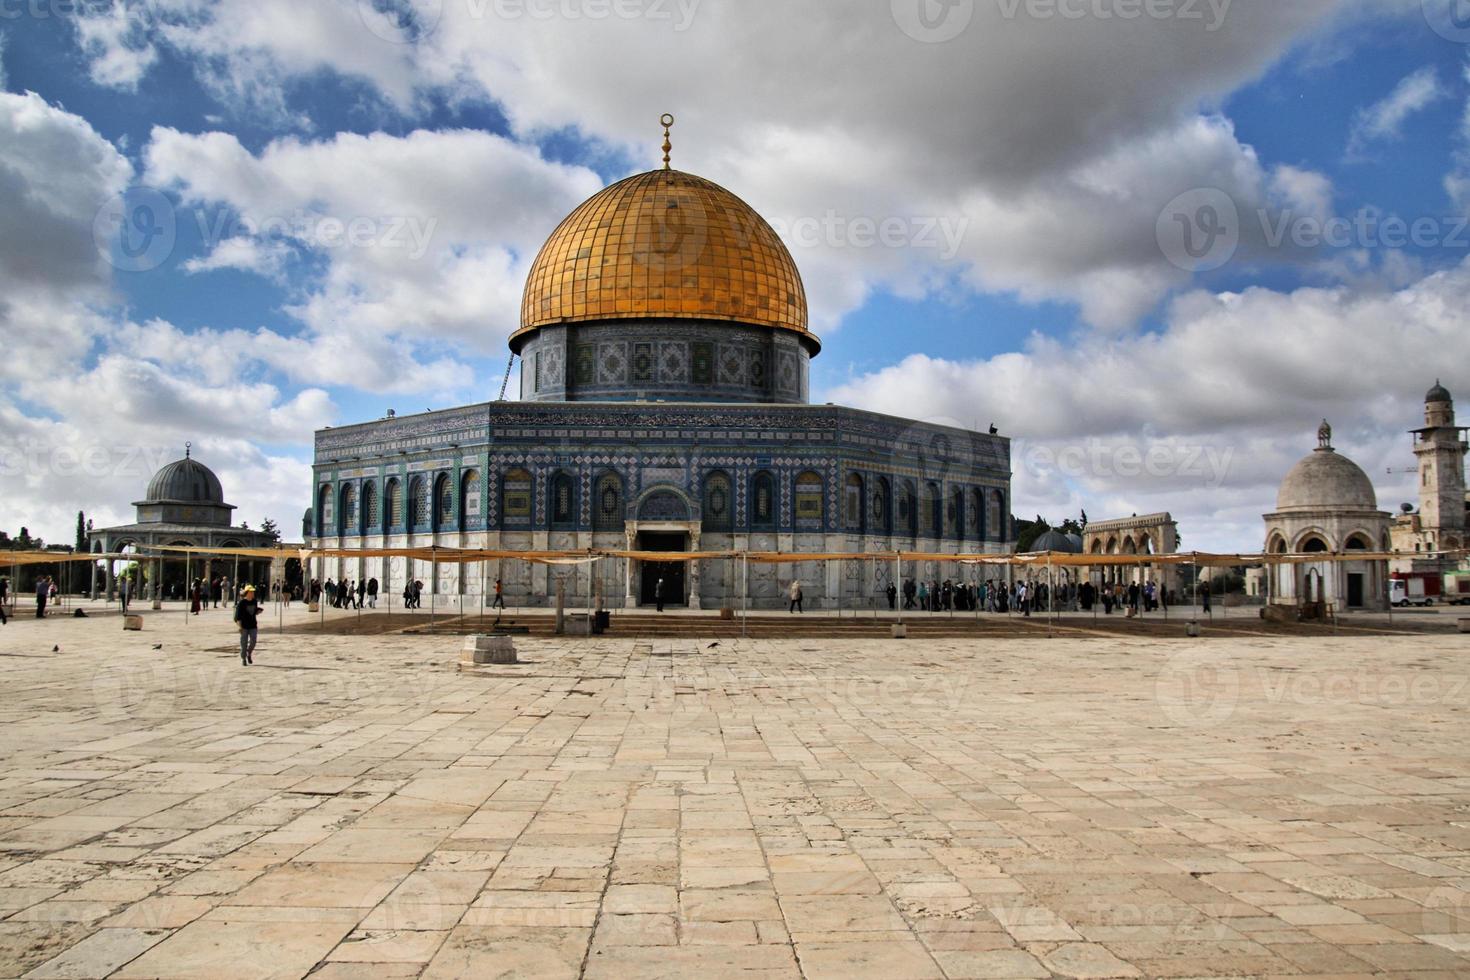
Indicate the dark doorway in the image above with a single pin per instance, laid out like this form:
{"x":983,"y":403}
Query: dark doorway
{"x":672,"y":572}
{"x":1355,"y":590}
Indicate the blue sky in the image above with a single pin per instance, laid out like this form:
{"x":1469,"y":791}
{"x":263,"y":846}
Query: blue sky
{"x":1054,"y":145}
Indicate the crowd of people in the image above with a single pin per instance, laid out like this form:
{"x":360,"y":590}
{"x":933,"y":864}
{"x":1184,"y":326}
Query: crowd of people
{"x":1027,"y":597}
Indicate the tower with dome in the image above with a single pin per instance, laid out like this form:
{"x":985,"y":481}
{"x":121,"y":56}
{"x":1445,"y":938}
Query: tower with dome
{"x":1438,"y":524}
{"x":664,"y":344}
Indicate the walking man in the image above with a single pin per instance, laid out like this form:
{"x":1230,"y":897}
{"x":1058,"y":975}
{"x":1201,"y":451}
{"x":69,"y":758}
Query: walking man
{"x":43,"y":589}
{"x":123,"y":591}
{"x":795,"y":594}
{"x":245,"y":612}
{"x":892,"y":596}
{"x":499,"y":602}
{"x":373,"y":592}
{"x":658,"y":594}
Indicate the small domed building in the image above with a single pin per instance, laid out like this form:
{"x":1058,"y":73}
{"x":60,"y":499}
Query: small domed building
{"x":183,"y":506}
{"x":1327,"y":505}
{"x":665,"y":347}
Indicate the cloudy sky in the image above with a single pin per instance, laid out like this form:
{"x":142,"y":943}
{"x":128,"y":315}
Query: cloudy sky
{"x":1155,"y":241}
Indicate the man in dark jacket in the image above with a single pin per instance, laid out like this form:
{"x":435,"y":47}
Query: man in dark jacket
{"x":245,"y":612}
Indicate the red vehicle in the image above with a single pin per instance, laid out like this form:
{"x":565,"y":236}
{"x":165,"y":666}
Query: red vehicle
{"x":1414,"y":589}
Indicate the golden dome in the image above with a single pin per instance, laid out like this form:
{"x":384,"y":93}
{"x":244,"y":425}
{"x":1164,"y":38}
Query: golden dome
{"x":665,"y":244}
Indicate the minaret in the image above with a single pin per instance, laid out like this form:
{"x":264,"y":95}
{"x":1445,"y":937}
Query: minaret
{"x":1440,"y":447}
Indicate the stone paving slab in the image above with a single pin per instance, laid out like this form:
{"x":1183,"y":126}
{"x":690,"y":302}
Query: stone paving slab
{"x":1098,"y":807}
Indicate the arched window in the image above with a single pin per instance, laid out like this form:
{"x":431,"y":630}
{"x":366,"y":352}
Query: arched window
{"x":515,"y":499}
{"x":809,"y":499}
{"x":931,"y":515}
{"x":974,"y":516}
{"x":908,"y":511}
{"x":392,"y":505}
{"x":999,"y":526}
{"x":370,"y":516}
{"x":878,"y":516}
{"x":956,"y":515}
{"x":443,"y":502}
{"x":563,"y":501}
{"x":324,"y":522}
{"x":853,"y":513}
{"x":418,"y":505}
{"x":1357,"y":543}
{"x":469,"y":499}
{"x":763,"y":501}
{"x":1314,"y":546}
{"x":347,"y":513}
{"x":719,"y":502}
{"x":607,"y":507}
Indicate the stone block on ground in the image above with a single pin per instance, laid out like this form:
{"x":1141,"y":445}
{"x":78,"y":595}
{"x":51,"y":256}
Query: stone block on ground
{"x":482,"y":650}
{"x":132,"y":623}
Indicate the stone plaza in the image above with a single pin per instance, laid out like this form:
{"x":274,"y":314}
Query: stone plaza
{"x":1251,"y":803}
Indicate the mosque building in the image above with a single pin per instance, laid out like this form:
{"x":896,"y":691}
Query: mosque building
{"x":183,"y":506}
{"x":1327,"y":505}
{"x":665,"y":352}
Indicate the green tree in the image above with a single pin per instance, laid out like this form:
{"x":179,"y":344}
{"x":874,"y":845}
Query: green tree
{"x":269,"y":527}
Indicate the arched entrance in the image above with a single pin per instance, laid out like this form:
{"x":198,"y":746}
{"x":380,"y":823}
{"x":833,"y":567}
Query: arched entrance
{"x":665,"y":525}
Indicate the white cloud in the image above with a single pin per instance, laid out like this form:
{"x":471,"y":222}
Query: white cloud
{"x":449,"y":224}
{"x":1237,"y":379}
{"x":262,"y":257}
{"x":91,"y":403}
{"x":1383,"y":121}
{"x":1059,"y":179}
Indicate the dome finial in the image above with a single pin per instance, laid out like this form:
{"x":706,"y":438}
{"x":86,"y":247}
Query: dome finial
{"x":667,"y":120}
{"x":1324,"y":436}
{"x":188,"y":449}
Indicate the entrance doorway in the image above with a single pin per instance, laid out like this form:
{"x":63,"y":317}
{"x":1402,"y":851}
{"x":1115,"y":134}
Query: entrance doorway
{"x":1355,"y":590}
{"x":672,"y":572}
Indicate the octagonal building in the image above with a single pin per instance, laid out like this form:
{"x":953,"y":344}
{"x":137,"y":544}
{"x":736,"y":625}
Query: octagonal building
{"x":665,"y":352}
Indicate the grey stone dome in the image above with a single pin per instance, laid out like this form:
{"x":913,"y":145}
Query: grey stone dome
{"x":186,"y":481}
{"x":1326,"y":480}
{"x":1439,"y":393}
{"x":1056,"y":542}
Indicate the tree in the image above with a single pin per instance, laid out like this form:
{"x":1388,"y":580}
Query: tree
{"x":81,"y":532}
{"x":268,"y":526}
{"x":1028,"y":531}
